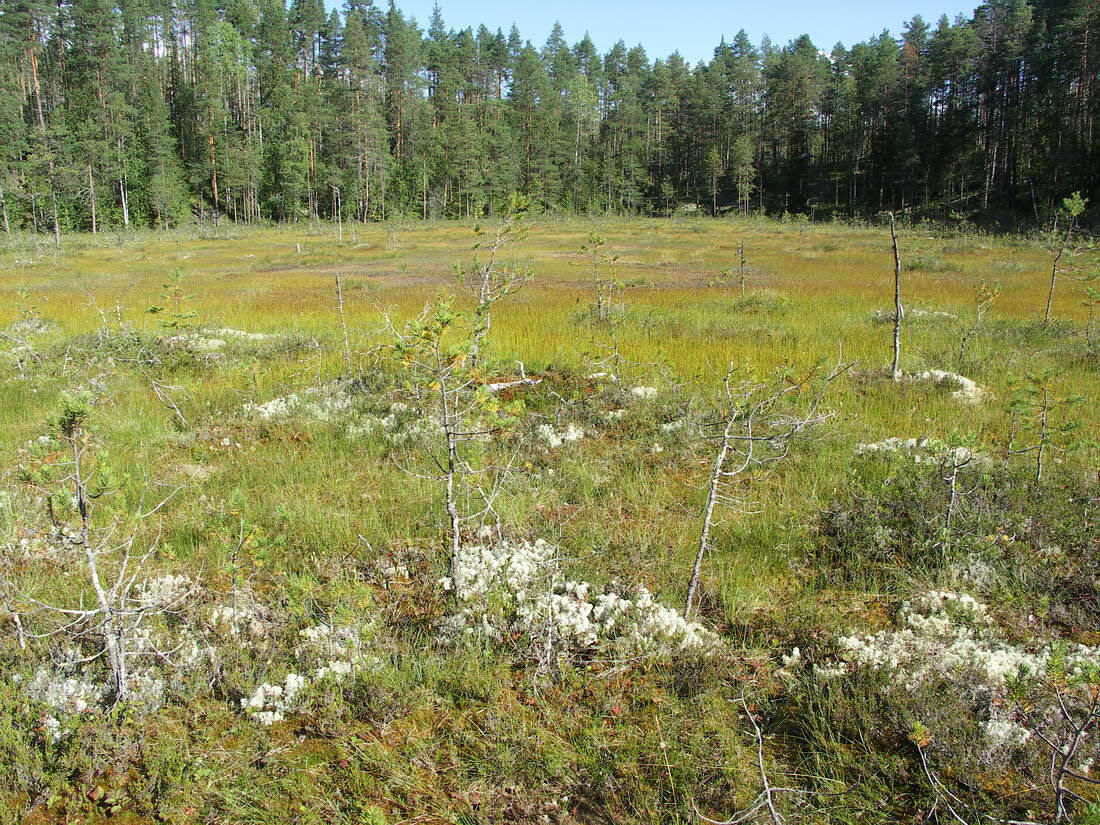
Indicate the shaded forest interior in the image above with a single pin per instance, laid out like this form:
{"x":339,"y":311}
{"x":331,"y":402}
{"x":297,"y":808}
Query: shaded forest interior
{"x":153,"y":113}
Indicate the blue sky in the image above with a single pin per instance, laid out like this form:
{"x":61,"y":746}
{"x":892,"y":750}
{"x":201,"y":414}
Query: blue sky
{"x":692,"y":27}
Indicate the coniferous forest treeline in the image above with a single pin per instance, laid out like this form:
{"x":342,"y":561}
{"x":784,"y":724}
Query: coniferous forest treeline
{"x":154,"y":112}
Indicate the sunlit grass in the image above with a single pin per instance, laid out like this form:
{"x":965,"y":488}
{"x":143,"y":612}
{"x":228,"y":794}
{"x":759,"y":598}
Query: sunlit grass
{"x":822,"y":283}
{"x":309,"y":497}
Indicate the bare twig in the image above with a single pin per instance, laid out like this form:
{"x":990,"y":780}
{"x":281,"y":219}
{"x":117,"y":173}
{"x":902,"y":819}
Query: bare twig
{"x":766,"y":798}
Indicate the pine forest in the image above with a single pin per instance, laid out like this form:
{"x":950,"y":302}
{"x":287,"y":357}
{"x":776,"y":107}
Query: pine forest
{"x":148,"y":113}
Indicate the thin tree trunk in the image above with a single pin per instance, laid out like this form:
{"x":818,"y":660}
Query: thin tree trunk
{"x":895,"y":368}
{"x":125,"y":202}
{"x":91,"y":196}
{"x":1054,"y":272}
{"x":1043,"y":410}
{"x":1053,"y":280}
{"x":343,"y":322}
{"x":457,"y":580}
{"x":213,"y":175}
{"x":4,"y":209}
{"x":45,"y":141}
{"x":113,"y":630}
{"x":708,"y":518}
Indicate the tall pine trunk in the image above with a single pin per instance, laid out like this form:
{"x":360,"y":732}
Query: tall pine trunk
{"x":45,"y":142}
{"x":91,"y":197}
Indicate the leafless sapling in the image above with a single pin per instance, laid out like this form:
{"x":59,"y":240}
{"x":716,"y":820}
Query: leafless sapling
{"x":757,"y":428}
{"x":1065,"y":730}
{"x":1061,"y":714}
{"x":488,"y":279}
{"x":343,"y":321}
{"x":953,"y":463}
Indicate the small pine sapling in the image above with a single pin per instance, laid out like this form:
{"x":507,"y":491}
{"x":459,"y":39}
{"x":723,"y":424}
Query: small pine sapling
{"x":738,"y":273}
{"x":176,"y":296}
{"x":984,"y":297}
{"x":114,"y":571}
{"x":435,"y":356}
{"x":1039,"y":410}
{"x":1058,"y":241}
{"x":603,"y":286}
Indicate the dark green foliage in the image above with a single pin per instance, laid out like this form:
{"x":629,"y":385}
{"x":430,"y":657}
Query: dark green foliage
{"x":150,"y":115}
{"x":1038,"y":543}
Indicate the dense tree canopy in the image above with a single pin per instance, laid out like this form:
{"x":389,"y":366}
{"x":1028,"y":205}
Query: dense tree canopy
{"x":121,"y":113}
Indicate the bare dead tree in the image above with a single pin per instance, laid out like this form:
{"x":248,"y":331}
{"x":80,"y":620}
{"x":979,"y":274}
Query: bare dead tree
{"x":338,"y":210}
{"x":741,"y":269}
{"x":16,"y":619}
{"x":1064,"y":736}
{"x":895,"y":367}
{"x":1062,"y":717}
{"x":757,"y":431}
{"x":343,"y":321}
{"x":952,"y":464}
{"x":161,"y":391}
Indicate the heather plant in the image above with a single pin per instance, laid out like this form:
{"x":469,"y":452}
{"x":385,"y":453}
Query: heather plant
{"x":970,"y":702}
{"x":922,"y":508}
